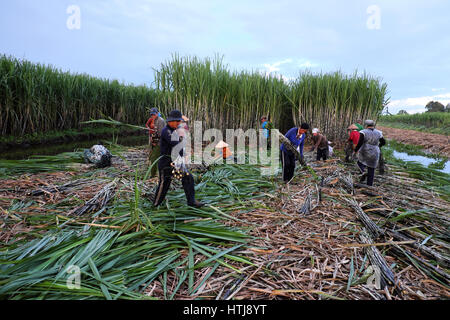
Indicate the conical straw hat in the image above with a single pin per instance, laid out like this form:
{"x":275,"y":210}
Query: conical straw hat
{"x":222,"y":144}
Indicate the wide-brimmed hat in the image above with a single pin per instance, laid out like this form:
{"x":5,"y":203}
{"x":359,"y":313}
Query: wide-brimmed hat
{"x":175,"y":115}
{"x":154,"y":111}
{"x":222,"y":144}
{"x":352,"y":127}
{"x":315,"y":130}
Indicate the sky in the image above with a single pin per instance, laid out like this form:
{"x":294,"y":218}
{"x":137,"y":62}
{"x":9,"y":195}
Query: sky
{"x":405,"y":43}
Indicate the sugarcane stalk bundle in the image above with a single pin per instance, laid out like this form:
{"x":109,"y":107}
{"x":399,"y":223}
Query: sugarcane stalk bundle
{"x":373,"y":229}
{"x":347,"y":182}
{"x":443,"y":259}
{"x":98,"y":201}
{"x":376,"y":259}
{"x":289,"y":146}
{"x":432,"y":271}
{"x":62,"y":188}
{"x":339,"y":175}
{"x":306,"y":207}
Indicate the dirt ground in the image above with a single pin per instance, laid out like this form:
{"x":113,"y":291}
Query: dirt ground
{"x":434,"y":143}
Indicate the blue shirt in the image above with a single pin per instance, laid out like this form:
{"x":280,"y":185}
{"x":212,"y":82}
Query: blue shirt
{"x":292,"y":136}
{"x":266,"y":131}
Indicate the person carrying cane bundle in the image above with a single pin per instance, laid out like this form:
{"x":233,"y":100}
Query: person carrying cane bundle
{"x":172,"y":163}
{"x":296,"y":137}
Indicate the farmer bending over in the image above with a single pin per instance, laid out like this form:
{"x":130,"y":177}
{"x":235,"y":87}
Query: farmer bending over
{"x":320,"y":144}
{"x":352,"y":141}
{"x":297,"y":137}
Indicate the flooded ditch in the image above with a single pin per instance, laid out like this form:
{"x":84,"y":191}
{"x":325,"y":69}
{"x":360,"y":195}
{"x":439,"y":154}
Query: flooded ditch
{"x":54,"y":149}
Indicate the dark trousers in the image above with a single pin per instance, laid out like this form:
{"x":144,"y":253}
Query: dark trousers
{"x":322,"y":153}
{"x":288,"y":165}
{"x":370,"y":173}
{"x":381,"y":167}
{"x":348,"y":151}
{"x":165,"y":178}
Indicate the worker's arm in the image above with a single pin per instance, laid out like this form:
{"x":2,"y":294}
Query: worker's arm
{"x":382,"y":142}
{"x":360,"y":142}
{"x":170,"y":138}
{"x":148,"y":123}
{"x":319,"y":141}
{"x":302,"y":143}
{"x":291,"y":135}
{"x":160,"y":125}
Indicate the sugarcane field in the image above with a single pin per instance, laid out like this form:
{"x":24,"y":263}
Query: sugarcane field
{"x":215,"y":183}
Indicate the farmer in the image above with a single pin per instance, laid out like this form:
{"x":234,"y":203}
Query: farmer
{"x":266,"y":126}
{"x":225,"y":152}
{"x":320,"y":144}
{"x":98,"y":155}
{"x":170,"y":140}
{"x":352,"y":141}
{"x":184,"y":123}
{"x":297,"y":137}
{"x":368,"y":149}
{"x":155,"y":125}
{"x":359,"y":125}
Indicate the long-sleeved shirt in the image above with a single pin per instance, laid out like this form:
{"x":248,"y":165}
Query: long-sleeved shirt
{"x":156,"y":126}
{"x":169,"y":139}
{"x":295,"y":140}
{"x":354,"y":137}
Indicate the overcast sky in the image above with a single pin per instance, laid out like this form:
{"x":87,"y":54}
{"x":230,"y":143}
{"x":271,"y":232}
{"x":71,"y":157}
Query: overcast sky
{"x":404,"y":42}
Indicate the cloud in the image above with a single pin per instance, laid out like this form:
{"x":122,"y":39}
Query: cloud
{"x":289,"y":66}
{"x":271,"y":68}
{"x":415,"y":105}
{"x":307,"y":64}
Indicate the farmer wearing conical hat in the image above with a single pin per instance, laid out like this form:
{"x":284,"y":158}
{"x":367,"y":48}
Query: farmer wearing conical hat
{"x":359,"y":126}
{"x":225,"y":151}
{"x":368,"y":149}
{"x":155,"y":125}
{"x":169,"y":144}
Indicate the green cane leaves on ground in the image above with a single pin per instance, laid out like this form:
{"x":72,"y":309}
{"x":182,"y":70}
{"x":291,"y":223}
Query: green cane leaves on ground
{"x":148,"y":243}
